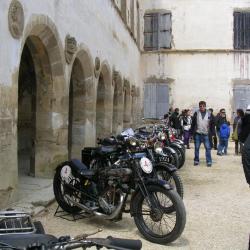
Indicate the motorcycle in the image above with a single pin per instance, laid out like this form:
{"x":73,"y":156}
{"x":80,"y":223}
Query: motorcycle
{"x":157,"y":209}
{"x":161,"y":167}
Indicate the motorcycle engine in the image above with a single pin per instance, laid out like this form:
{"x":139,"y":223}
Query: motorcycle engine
{"x":108,"y":200}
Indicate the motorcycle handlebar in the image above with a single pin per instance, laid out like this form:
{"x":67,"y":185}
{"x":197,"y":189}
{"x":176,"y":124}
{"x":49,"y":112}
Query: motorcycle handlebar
{"x":109,"y":242}
{"x":125,"y":243}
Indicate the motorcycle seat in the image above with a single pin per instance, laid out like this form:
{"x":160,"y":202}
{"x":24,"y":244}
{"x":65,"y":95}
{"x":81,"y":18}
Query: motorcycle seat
{"x":82,"y":169}
{"x":107,"y":149}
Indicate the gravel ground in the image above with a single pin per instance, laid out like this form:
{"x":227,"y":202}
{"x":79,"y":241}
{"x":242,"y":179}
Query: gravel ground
{"x":217,"y":201}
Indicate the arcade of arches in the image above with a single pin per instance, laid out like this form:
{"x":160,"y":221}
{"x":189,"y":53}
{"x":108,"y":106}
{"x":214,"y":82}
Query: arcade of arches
{"x":57,"y":119}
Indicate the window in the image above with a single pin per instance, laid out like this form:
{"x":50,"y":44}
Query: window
{"x":157,"y":31}
{"x":241,"y":30}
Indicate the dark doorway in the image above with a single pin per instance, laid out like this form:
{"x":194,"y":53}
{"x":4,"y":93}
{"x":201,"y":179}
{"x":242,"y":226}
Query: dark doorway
{"x":100,"y":108}
{"x":77,"y":112}
{"x":26,"y":125}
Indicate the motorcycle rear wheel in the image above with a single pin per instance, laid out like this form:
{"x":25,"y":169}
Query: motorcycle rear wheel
{"x":143,"y":213}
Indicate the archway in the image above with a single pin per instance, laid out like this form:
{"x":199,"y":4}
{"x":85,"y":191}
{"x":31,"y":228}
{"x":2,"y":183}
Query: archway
{"x":41,"y":101}
{"x":104,"y":103}
{"x":117,"y":124}
{"x":80,"y":104}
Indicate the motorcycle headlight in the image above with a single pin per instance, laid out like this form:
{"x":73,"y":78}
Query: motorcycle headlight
{"x":161,"y":136}
{"x":132,"y":142}
{"x":158,"y":148}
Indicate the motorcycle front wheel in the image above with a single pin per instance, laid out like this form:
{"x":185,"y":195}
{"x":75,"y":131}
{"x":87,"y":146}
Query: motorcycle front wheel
{"x":60,"y":191}
{"x":157,"y":223}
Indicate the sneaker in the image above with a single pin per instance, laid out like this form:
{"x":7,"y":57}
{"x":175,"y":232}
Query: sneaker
{"x":219,"y":153}
{"x":209,"y":164}
{"x":196,"y":163}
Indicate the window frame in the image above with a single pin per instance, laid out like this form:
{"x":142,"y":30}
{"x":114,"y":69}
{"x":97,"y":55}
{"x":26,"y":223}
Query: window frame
{"x":157,"y":14}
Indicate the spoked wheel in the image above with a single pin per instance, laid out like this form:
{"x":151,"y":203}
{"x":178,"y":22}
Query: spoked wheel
{"x":62,"y":190}
{"x":172,"y":178}
{"x":157,"y":223}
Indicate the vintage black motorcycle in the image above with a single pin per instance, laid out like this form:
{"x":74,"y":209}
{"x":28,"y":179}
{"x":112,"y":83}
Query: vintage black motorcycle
{"x":158,"y":210}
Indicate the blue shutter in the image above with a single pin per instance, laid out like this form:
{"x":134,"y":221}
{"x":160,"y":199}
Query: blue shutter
{"x":241,"y":96}
{"x":156,"y":100}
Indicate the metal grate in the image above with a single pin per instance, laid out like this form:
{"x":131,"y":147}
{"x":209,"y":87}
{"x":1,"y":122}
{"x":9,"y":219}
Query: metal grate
{"x":15,"y":222}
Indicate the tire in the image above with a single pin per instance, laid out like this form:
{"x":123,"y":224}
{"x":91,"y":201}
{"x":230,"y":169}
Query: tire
{"x":39,"y":227}
{"x":172,"y":177}
{"x":59,"y":196}
{"x":180,"y":216}
{"x":181,"y":156}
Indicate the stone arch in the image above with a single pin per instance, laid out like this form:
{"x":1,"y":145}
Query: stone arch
{"x":127,"y":104}
{"x":49,"y":141}
{"x":118,"y":99}
{"x":81,"y":96}
{"x":104,"y":102}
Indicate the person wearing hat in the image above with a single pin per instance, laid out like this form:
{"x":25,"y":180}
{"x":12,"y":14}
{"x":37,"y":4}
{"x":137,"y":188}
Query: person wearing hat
{"x":245,"y":139}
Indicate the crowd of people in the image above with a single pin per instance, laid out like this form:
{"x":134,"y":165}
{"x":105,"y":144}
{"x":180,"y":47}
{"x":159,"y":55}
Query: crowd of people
{"x":219,"y":127}
{"x":213,"y":131}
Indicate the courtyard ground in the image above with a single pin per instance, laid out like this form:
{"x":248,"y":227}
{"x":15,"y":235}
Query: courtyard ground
{"x":217,"y":201}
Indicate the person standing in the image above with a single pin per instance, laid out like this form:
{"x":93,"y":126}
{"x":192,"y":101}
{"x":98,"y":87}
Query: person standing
{"x":175,"y":122}
{"x":186,"y":122}
{"x":212,"y":133}
{"x":237,"y":130}
{"x":244,"y":137}
{"x":200,"y":129}
{"x":224,"y":136}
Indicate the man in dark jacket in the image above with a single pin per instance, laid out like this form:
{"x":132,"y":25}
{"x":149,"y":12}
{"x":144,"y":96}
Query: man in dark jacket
{"x":220,"y":119}
{"x":245,"y":138}
{"x":200,"y":130}
{"x":175,"y":121}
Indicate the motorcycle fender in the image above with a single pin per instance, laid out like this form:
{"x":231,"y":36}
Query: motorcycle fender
{"x":176,"y":144}
{"x":170,"y":149}
{"x":147,"y":182}
{"x":169,"y":167}
{"x":77,"y":167}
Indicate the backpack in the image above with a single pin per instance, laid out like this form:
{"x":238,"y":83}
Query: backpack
{"x":224,"y":128}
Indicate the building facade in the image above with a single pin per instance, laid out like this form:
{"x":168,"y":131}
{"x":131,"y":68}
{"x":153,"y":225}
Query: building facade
{"x":202,"y":52}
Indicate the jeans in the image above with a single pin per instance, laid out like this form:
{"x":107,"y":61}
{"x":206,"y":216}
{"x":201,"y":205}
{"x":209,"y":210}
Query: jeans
{"x":237,"y":145}
{"x":199,"y":138}
{"x":223,"y":145}
{"x":186,"y":137}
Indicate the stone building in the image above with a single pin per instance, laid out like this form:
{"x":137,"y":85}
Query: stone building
{"x":73,"y":71}
{"x":201,"y":52}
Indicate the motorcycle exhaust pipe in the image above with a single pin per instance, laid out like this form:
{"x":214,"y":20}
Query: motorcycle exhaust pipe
{"x":85,"y":208}
{"x":115,"y":213}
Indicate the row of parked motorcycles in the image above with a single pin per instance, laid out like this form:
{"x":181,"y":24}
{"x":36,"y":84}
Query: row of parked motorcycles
{"x":135,"y":172}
